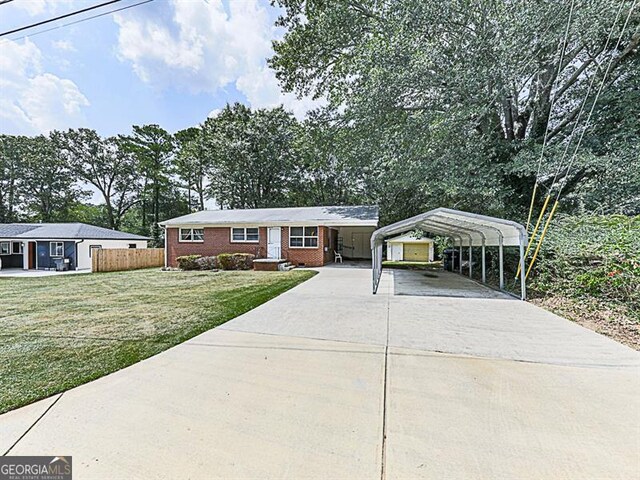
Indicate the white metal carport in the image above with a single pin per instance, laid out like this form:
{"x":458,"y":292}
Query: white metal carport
{"x":461,"y":227}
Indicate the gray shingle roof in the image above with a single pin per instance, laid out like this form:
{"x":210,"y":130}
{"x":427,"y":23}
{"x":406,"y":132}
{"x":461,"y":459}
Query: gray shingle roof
{"x":361,"y":215}
{"x":75,"y":231}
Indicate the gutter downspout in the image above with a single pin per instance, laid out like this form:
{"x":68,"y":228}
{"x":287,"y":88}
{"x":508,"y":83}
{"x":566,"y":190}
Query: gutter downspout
{"x":77,"y":256}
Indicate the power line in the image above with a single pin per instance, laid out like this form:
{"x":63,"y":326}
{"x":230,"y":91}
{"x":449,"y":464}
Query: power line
{"x":2,"y":2}
{"x":595,"y":101}
{"x":60,"y":17}
{"x":553,"y":101}
{"x":560,"y":166}
{"x":81,"y":20}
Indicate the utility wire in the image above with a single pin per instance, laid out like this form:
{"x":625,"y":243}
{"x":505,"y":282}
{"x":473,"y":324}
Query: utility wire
{"x":534,"y":233}
{"x":2,"y":2}
{"x":552,"y":103}
{"x":79,"y":21}
{"x":595,"y":100}
{"x":593,"y":106}
{"x":60,"y":17}
{"x":586,"y":96}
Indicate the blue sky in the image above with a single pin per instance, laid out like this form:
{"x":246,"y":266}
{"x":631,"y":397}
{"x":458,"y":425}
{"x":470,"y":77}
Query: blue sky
{"x":168,"y":62}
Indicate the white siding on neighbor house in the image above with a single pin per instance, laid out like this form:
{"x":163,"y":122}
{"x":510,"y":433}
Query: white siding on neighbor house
{"x":394,"y":252}
{"x":84,"y":259}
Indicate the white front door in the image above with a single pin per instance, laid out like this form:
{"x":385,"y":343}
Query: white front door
{"x":274,"y":242}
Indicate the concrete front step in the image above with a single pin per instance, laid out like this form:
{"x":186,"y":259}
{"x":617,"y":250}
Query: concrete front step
{"x":272,"y":264}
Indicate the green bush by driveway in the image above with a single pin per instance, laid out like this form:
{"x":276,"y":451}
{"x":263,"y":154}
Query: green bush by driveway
{"x":59,"y":332}
{"x":589,"y":271}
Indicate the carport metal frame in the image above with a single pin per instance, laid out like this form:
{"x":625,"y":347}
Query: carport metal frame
{"x":447,"y":222}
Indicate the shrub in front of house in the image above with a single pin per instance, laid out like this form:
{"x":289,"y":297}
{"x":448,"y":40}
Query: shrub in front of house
{"x":208,"y":263}
{"x":225,"y":261}
{"x":188,"y":262}
{"x":235,"y":261}
{"x":243,"y":261}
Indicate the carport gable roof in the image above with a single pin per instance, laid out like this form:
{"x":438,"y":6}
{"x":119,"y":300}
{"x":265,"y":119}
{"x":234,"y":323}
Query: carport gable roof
{"x":460,"y":226}
{"x":361,"y":215}
{"x":409,"y":238}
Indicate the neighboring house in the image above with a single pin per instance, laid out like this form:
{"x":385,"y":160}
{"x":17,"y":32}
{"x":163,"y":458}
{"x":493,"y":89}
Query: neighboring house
{"x":306,"y":236}
{"x":408,"y":248}
{"x":41,"y":246}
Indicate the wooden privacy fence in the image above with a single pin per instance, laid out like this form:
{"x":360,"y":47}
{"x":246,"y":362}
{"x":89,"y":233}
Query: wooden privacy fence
{"x":117,"y":259}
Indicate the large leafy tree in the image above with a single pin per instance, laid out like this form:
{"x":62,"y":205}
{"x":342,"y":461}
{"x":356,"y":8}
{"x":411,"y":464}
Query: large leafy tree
{"x":450,"y":94}
{"x":106,"y":165}
{"x":153,"y":149}
{"x":12,"y":150}
{"x":252,"y":155}
{"x":48,"y":182}
{"x":192,"y":166}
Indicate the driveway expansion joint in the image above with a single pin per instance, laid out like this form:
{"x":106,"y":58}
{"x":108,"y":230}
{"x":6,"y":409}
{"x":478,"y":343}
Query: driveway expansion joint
{"x":33,"y":425}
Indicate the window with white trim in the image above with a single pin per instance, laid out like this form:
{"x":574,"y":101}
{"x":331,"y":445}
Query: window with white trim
{"x":250,"y":234}
{"x":303,"y":237}
{"x":56,"y":249}
{"x":5,"y":248}
{"x":192,"y":234}
{"x":17,"y":248}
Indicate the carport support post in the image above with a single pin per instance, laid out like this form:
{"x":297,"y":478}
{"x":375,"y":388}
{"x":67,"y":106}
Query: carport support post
{"x":484,"y":265}
{"x":501,"y":263}
{"x":460,"y":257}
{"x":470,"y":257}
{"x":523,"y":286}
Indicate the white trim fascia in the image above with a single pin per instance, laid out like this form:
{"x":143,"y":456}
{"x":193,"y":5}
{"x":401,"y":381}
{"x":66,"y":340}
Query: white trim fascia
{"x":307,"y":223}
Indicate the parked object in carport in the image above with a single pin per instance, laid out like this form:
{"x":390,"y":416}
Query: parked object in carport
{"x":451,"y":257}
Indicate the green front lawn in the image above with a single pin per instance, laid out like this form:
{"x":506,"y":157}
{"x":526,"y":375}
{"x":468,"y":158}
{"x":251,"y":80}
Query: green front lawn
{"x":60,"y":332}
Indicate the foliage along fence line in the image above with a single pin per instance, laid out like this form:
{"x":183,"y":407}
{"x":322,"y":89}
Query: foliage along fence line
{"x":118,"y":259}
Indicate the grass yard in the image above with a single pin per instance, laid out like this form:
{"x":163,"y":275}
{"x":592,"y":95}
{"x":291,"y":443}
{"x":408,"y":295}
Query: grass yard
{"x":60,"y":332}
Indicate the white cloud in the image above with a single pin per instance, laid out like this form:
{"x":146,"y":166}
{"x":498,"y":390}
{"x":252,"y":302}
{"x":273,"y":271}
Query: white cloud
{"x":205,"y":48}
{"x":64,"y":45}
{"x":31,"y":100}
{"x":36,"y":7}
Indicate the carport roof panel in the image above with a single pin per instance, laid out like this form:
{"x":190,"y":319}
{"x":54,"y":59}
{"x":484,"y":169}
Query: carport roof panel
{"x":460,"y":226}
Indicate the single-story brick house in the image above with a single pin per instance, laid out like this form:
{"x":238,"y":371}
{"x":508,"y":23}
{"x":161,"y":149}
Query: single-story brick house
{"x":304,"y":236}
{"x":42,"y":246}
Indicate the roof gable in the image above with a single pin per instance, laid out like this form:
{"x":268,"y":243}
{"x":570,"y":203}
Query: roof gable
{"x":75,"y":231}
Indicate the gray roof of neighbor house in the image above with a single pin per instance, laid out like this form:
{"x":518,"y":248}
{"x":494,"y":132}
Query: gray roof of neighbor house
{"x":361,"y":215}
{"x":61,"y":231}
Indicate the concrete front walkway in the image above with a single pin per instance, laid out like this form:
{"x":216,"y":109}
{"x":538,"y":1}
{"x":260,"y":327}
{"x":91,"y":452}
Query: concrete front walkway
{"x":21,"y":273}
{"x":329,"y":381}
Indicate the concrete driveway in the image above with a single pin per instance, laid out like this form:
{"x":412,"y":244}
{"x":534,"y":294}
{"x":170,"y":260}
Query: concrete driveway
{"x":329,"y":381}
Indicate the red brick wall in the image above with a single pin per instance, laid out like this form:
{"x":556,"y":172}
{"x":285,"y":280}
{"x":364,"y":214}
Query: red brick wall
{"x":217,"y":240}
{"x":310,"y":257}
